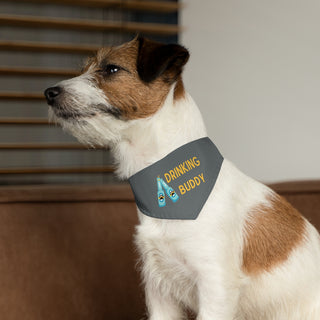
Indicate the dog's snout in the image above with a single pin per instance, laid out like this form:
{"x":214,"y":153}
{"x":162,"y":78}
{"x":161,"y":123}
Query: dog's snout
{"x":51,"y":94}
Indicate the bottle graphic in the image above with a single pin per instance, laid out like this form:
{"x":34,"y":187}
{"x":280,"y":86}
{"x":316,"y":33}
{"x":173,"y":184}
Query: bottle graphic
{"x":161,"y":195}
{"x":170,"y":192}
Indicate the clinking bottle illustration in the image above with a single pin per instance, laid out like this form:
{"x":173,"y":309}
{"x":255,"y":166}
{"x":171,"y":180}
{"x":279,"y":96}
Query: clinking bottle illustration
{"x":168,"y":190}
{"x":161,"y":195}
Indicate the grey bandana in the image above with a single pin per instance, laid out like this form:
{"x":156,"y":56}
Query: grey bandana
{"x":178,"y":186}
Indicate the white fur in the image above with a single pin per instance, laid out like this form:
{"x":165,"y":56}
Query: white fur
{"x":197,"y":264}
{"x":82,"y":96}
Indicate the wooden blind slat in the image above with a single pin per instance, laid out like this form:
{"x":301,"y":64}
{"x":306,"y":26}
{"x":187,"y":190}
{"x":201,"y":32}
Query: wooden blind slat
{"x":47,"y":146}
{"x":21,"y":96}
{"x":89,"y":25}
{"x":96,"y":169}
{"x":47,"y":47}
{"x":38,"y":72}
{"x":24,"y":121}
{"x":157,"y":6}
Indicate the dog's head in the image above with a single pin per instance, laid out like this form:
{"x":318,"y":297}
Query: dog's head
{"x":118,"y":85}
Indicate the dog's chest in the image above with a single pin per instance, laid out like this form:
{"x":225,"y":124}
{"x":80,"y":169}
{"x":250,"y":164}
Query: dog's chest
{"x":165,"y":265}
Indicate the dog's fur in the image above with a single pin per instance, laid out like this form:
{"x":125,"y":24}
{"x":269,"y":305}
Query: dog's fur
{"x":249,"y":255}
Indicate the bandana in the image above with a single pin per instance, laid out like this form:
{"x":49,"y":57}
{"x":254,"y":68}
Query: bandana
{"x":178,"y":186}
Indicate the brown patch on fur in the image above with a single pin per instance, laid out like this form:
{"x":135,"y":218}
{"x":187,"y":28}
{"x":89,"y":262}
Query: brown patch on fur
{"x":272,"y":232}
{"x":125,"y":90}
{"x":179,"y":89}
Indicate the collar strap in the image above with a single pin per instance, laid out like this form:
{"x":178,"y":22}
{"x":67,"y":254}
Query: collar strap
{"x":178,"y":186}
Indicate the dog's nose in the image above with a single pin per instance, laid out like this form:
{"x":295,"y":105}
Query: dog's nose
{"x":51,"y":94}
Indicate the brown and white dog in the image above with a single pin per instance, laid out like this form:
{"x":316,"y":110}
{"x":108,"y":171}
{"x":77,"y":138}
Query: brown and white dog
{"x":249,"y":255}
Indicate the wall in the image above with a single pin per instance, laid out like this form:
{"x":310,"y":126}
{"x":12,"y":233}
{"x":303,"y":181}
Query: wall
{"x":255,"y":74}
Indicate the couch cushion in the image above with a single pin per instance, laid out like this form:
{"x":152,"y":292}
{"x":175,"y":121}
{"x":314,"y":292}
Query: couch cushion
{"x":66,"y":252}
{"x":303,"y":195}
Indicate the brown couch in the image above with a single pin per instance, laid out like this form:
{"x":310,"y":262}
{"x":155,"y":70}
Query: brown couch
{"x":66,"y":252}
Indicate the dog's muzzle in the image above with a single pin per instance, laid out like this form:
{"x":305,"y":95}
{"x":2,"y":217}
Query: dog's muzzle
{"x":52,"y":94}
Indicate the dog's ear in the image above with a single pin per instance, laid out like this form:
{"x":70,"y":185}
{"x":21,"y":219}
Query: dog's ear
{"x":156,"y":59}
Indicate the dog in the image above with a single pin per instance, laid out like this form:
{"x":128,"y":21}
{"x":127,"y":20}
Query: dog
{"x":249,"y":255}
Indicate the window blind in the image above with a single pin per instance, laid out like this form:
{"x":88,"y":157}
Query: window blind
{"x":43,"y":42}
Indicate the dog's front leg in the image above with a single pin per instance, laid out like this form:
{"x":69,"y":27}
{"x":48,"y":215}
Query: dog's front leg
{"x":218,"y":295}
{"x":161,"y":307}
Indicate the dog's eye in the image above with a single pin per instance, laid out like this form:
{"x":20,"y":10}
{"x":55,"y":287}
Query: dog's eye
{"x":110,"y":69}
